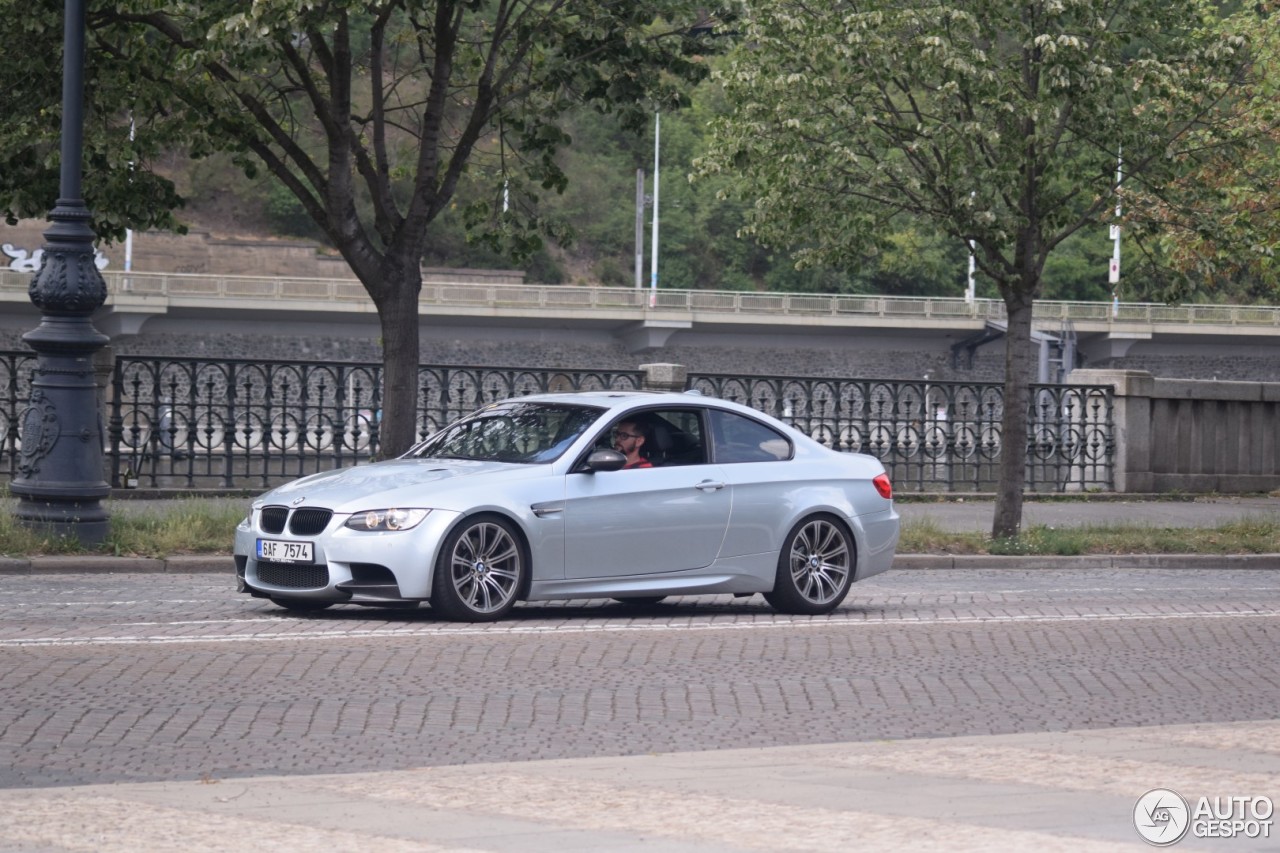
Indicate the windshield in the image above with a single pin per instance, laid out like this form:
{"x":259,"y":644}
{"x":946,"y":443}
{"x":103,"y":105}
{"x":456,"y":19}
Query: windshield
{"x":510,"y":432}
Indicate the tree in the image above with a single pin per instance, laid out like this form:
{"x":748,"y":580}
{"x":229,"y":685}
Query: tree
{"x":31,"y":103}
{"x":373,"y":113}
{"x":998,"y":121}
{"x":1219,"y":220}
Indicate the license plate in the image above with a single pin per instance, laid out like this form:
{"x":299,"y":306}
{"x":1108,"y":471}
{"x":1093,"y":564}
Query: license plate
{"x":284,"y":552}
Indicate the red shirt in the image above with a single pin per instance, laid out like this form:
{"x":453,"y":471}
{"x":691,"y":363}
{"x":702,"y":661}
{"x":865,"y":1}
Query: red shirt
{"x":639,"y":463}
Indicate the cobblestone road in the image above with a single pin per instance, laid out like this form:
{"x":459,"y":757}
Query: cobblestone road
{"x":146,"y":677}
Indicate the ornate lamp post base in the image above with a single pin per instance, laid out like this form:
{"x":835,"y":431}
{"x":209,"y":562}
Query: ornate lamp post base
{"x":59,"y":479}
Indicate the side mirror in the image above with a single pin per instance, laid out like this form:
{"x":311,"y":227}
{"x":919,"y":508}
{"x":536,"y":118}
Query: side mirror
{"x":605,"y":460}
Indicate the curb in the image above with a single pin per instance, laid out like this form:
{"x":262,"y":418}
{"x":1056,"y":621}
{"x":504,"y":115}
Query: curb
{"x":91,"y":565}
{"x":1088,"y":561}
{"x":214,"y":563}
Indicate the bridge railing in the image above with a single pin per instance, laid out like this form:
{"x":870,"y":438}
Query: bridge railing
{"x":542,"y":297}
{"x":238,"y":423}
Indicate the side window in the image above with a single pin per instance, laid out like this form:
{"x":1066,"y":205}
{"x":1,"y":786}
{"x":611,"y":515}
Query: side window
{"x":740,"y":439}
{"x":661,"y":437}
{"x":678,"y":435}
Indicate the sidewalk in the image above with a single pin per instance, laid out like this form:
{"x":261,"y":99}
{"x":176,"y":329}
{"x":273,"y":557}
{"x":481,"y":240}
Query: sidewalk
{"x":1072,"y":791}
{"x":965,"y":515}
{"x":957,"y":515}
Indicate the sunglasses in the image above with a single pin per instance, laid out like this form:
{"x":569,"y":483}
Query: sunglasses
{"x":617,"y":433}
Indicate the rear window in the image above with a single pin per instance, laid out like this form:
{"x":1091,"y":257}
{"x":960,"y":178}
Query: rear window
{"x":741,"y":439}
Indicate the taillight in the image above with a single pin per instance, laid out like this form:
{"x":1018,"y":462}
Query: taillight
{"x":883,"y":486}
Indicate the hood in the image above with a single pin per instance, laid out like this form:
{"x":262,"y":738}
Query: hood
{"x":396,"y":482}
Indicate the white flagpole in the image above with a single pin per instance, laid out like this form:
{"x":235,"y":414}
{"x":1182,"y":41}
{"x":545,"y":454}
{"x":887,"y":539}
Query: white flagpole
{"x":653,"y":263}
{"x":1114,"y":276}
{"x":973,"y":265}
{"x":639,"y":228}
{"x":128,"y":233}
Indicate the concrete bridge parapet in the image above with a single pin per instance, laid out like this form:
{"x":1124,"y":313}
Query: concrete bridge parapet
{"x":720,"y":331}
{"x":1192,"y":435}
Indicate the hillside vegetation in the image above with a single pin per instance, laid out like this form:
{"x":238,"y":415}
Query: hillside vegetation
{"x":698,"y":241}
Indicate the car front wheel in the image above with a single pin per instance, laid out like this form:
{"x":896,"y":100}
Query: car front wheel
{"x":815,"y":567}
{"x":479,"y":571}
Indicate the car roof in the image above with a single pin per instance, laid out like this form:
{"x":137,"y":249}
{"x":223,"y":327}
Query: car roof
{"x":610,"y":399}
{"x":627,"y":399}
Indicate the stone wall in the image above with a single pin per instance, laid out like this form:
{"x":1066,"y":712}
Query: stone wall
{"x":442,"y":346}
{"x":579,"y":355}
{"x":1255,"y":367}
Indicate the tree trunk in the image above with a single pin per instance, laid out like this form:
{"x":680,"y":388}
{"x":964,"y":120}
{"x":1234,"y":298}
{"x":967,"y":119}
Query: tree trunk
{"x":398,"y":315}
{"x":1013,"y":426}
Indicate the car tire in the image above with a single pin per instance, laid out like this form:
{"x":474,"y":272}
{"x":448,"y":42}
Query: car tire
{"x":641,"y":600}
{"x":480,"y":572}
{"x":301,"y":605}
{"x":815,"y":567}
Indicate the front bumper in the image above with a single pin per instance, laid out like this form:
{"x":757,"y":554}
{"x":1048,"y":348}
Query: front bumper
{"x":347,"y":565}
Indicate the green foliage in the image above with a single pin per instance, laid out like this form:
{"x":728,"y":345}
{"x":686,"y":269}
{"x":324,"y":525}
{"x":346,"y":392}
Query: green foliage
{"x":286,"y":214}
{"x":1221,"y":220}
{"x":119,"y":183}
{"x":567,"y":151}
{"x":998,"y":122}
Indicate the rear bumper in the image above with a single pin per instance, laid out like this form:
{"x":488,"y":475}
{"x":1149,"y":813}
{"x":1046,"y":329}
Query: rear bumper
{"x":880,"y":531}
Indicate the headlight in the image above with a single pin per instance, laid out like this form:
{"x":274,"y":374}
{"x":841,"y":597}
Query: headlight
{"x":386,"y":519}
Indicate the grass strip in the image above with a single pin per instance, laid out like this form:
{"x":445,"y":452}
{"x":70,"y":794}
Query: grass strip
{"x":184,"y":527}
{"x":197,"y":526}
{"x":1245,"y":536}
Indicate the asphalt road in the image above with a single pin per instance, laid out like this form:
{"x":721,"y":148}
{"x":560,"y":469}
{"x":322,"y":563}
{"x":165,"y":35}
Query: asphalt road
{"x":126,"y":677}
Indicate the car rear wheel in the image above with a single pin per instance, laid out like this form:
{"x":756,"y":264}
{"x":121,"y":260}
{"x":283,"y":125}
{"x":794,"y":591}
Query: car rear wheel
{"x":301,"y":605}
{"x":815,"y":567}
{"x":479,"y":572}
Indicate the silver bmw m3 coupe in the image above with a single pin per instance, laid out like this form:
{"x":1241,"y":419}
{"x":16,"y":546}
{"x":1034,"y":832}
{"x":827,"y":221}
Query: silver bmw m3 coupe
{"x":627,"y":495}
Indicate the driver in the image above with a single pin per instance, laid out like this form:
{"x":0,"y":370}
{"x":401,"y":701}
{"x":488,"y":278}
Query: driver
{"x":629,"y":439}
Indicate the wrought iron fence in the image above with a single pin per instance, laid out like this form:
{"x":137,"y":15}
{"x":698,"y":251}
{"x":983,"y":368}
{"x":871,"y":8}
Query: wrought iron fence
{"x":16,"y":369}
{"x":239,"y":423}
{"x":941,"y":436}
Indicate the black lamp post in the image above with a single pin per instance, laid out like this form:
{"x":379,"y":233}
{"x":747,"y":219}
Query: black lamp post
{"x":59,"y":480}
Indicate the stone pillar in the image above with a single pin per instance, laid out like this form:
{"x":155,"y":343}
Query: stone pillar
{"x":1132,"y":418}
{"x":665,"y":377}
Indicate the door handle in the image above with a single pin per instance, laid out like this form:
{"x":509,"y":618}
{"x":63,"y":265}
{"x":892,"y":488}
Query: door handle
{"x":709,"y":486}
